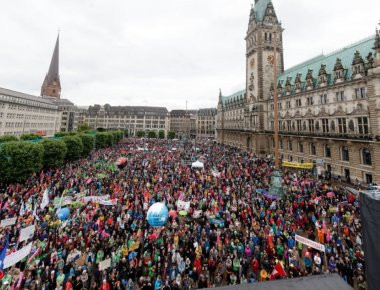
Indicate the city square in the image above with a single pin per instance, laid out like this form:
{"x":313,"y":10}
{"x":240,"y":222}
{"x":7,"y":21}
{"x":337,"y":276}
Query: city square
{"x":134,"y":178}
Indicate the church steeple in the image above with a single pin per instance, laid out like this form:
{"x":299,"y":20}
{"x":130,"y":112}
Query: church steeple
{"x":51,"y":86}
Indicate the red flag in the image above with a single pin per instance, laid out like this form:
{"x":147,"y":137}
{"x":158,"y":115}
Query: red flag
{"x":277,"y":271}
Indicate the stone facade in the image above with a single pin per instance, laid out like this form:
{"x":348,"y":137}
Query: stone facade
{"x":329,"y":106}
{"x":130,"y":118}
{"x":205,"y":123}
{"x":183,"y":123}
{"x":23,"y":113}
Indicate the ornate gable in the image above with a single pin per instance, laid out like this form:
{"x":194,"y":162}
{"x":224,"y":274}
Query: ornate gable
{"x":359,"y":110}
{"x":309,"y":80}
{"x":338,"y":71}
{"x":298,"y":82}
{"x":339,"y":112}
{"x":357,"y":66}
{"x":322,"y":75}
{"x":322,"y":112}
{"x":309,"y":114}
{"x":297,"y":114}
{"x":288,"y":86}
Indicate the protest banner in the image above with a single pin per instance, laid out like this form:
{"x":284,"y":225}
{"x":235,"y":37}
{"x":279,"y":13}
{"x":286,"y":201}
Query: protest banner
{"x":105,"y":264}
{"x":183,"y":205}
{"x":15,"y":257}
{"x":8,"y":222}
{"x":310,"y":243}
{"x":27,"y":233}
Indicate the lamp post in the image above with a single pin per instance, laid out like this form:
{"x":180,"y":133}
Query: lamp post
{"x":276,"y":178}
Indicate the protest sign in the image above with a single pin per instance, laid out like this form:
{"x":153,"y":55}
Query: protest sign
{"x":8,"y":222}
{"x":310,"y":243}
{"x":27,"y":233}
{"x":105,"y":264}
{"x":15,"y":257}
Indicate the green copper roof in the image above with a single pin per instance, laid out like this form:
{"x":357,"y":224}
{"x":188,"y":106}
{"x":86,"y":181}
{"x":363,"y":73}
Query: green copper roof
{"x":240,"y":95}
{"x":346,"y":55}
{"x":260,"y":8}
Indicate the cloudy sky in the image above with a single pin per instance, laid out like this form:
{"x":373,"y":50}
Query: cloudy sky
{"x":160,"y":53}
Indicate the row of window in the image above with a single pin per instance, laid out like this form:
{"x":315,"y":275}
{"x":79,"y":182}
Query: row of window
{"x":358,"y":125}
{"x":344,"y":152}
{"x":359,"y":93}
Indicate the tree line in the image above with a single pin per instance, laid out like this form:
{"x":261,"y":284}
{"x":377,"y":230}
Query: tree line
{"x":20,"y":158}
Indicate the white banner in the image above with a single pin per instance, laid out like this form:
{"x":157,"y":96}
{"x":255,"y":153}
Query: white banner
{"x":16,"y":257}
{"x":183,"y":205}
{"x":27,"y":233}
{"x":103,"y":200}
{"x":197,"y":214}
{"x":310,"y":243}
{"x":8,"y":222}
{"x":45,"y":199}
{"x":104,"y":264}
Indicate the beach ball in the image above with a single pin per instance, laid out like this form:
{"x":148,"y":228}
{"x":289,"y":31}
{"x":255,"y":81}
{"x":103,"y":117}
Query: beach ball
{"x":158,"y":215}
{"x":63,"y":213}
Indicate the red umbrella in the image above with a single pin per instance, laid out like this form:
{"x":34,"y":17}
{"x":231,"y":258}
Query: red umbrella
{"x":121,"y":161}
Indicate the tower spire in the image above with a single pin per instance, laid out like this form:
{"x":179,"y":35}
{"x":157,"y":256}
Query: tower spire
{"x":51,"y":86}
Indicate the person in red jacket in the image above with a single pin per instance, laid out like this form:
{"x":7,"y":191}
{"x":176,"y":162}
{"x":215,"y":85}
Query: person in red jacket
{"x":105,"y":285}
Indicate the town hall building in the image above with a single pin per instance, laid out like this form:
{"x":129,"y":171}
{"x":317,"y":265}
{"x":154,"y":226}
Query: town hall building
{"x":329,"y":106}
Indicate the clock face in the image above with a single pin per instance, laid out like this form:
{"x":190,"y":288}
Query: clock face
{"x":270,"y":59}
{"x":252,"y":63}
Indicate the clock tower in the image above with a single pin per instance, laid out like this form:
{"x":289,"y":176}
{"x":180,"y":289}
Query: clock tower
{"x":263,"y":28}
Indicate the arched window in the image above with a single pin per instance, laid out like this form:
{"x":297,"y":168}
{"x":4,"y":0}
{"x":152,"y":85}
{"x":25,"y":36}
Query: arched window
{"x":327,"y":151}
{"x":313,"y":150}
{"x":344,"y":153}
{"x":366,"y":156}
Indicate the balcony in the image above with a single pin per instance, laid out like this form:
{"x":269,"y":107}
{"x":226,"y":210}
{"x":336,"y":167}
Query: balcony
{"x":330,"y":135}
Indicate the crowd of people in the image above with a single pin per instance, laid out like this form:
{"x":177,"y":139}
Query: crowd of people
{"x":230,"y":233}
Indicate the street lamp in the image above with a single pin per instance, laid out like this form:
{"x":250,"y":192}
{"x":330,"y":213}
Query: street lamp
{"x":276,"y":178}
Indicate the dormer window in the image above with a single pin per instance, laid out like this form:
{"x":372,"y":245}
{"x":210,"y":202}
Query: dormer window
{"x":338,"y":71}
{"x":357,"y":65}
{"x":322,"y":75}
{"x":309,"y":79}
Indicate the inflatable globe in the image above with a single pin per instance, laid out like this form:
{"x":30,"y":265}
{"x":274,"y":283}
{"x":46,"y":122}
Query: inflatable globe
{"x":158,"y":215}
{"x":63,"y":213}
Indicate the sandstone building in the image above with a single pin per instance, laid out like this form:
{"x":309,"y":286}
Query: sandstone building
{"x":329,"y":106}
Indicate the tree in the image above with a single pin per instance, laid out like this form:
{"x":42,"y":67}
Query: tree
{"x":19,"y":160}
{"x":54,"y":152}
{"x":61,"y":134}
{"x":152,"y":134}
{"x":84,"y":127}
{"x":171,"y":135}
{"x":74,"y":147}
{"x":161,"y":134}
{"x":117,"y":136}
{"x":88,"y":142}
{"x":140,"y":134}
{"x":30,"y":136}
{"x":8,"y":138}
{"x":103,"y":139}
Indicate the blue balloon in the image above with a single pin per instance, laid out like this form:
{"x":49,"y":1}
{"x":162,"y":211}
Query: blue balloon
{"x":63,"y":213}
{"x":158,"y":215}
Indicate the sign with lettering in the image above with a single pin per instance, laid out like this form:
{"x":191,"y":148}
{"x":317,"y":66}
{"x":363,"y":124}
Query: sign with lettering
{"x":310,"y":243}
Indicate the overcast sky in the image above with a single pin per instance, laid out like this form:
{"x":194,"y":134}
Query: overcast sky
{"x":161,"y":52}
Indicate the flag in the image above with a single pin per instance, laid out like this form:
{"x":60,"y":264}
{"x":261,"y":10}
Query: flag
{"x":22,"y":208}
{"x":35,"y":213}
{"x":277,"y":271}
{"x":45,"y":199}
{"x":3,"y":253}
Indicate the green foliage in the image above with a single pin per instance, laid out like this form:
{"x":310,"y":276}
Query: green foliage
{"x":117,"y":135}
{"x":8,"y":138}
{"x":152,"y":134}
{"x":20,"y":159}
{"x":140,"y":134}
{"x":54,"y":152}
{"x":84,"y":127}
{"x":161,"y":134}
{"x":103,"y":140}
{"x":74,"y":147}
{"x":61,"y":134}
{"x":30,"y":136}
{"x":171,"y":135}
{"x":88,"y":142}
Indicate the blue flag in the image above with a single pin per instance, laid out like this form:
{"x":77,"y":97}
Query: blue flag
{"x":3,"y":253}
